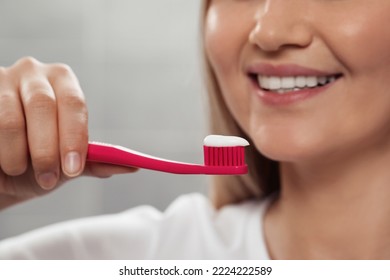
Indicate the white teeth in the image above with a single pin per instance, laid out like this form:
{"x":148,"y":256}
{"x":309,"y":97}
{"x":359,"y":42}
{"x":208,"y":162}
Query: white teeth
{"x":286,"y":84}
{"x":322,"y":80}
{"x":300,"y":82}
{"x":274,"y":83}
{"x":264,"y":82}
{"x":311,"y":81}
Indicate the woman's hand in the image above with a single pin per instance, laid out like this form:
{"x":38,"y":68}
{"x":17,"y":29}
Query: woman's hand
{"x":43,"y":130}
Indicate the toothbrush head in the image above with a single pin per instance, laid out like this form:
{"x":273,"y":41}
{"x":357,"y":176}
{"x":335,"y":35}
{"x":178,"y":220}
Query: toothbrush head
{"x":225,"y":154}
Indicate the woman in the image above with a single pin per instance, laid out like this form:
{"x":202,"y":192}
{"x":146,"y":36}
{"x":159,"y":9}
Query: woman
{"x":330,"y":135}
{"x":305,"y":81}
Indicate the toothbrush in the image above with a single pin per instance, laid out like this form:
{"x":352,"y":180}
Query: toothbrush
{"x":223,"y":155}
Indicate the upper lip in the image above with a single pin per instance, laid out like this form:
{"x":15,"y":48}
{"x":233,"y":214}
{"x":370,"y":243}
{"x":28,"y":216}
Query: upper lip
{"x":285,"y":70}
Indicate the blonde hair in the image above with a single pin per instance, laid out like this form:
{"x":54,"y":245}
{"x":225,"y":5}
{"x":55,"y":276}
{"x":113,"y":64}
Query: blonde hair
{"x":263,"y":176}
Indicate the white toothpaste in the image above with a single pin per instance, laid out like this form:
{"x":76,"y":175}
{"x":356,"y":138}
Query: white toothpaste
{"x":224,"y":141}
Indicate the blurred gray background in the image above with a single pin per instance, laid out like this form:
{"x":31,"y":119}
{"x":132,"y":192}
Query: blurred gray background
{"x":139,"y":65}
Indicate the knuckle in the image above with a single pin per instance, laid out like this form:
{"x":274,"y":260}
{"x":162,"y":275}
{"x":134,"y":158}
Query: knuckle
{"x":73,"y":99}
{"x":74,"y":102}
{"x":75,"y":141}
{"x":12,"y":124}
{"x":41,"y":99}
{"x":37,"y":85}
{"x":76,"y":138}
{"x":61,"y":69}
{"x":11,"y":118}
{"x":28,"y":62}
{"x":42,"y":160}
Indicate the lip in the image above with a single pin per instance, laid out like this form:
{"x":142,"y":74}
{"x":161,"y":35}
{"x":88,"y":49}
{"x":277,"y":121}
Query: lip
{"x":287,"y":70}
{"x":290,"y":98}
{"x":284,"y":70}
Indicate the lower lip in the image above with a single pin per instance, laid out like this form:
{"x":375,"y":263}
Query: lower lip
{"x":276,"y":99}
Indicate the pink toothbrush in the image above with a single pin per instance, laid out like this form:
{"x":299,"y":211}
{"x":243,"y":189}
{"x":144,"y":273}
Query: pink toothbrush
{"x":223,"y":155}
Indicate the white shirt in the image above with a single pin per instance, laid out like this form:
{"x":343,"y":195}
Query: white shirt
{"x":189,"y":229}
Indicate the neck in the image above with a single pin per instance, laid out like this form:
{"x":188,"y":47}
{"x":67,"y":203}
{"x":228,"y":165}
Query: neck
{"x":332,"y":209}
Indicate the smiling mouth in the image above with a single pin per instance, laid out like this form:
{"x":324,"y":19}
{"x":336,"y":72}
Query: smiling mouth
{"x":291,"y":84}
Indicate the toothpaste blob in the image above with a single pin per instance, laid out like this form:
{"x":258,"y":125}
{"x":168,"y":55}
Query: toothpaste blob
{"x":224,"y":141}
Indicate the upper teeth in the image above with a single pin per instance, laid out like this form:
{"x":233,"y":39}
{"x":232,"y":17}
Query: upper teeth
{"x":291,"y":83}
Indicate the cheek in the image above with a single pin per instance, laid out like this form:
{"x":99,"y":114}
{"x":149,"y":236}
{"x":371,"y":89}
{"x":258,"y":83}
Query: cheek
{"x":362,"y":42}
{"x":225,"y":40}
{"x":365,"y":104}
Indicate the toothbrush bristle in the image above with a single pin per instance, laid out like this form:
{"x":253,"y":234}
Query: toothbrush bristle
{"x":224,"y":156}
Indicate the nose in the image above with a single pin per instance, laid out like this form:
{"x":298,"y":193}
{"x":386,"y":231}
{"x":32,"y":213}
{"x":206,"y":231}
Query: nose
{"x":280,"y":24}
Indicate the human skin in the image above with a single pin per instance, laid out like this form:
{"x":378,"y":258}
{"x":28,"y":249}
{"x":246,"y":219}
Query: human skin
{"x":333,"y":146}
{"x":43,"y":131}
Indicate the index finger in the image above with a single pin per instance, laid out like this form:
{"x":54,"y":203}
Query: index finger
{"x":72,"y":119}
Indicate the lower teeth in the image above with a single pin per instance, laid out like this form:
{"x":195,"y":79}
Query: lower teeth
{"x":281,"y":91}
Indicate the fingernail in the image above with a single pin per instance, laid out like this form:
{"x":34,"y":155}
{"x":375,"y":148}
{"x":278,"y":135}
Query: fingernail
{"x":47,"y":180}
{"x":72,"y":164}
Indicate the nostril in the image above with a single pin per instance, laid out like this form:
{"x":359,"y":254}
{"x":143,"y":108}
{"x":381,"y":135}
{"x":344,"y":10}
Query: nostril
{"x":273,"y":35}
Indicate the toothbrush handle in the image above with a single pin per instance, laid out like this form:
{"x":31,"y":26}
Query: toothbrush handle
{"x":117,"y":155}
